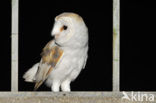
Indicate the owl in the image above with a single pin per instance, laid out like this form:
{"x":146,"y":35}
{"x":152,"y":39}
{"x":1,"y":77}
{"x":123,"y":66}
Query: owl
{"x":63,"y":58}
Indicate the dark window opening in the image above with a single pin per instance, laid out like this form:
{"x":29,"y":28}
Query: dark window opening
{"x":5,"y":51}
{"x":137,"y":46}
{"x":36,"y":22}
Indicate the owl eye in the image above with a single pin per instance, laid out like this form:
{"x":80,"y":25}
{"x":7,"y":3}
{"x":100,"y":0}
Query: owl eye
{"x":65,"y":27}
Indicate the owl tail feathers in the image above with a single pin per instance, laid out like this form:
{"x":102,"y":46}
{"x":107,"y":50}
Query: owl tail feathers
{"x":29,"y":76}
{"x":37,"y":85}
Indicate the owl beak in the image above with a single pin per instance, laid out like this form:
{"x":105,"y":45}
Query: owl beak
{"x":52,"y":36}
{"x":56,"y":35}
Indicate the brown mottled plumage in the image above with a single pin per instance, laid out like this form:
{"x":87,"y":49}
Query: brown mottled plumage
{"x":72,"y":15}
{"x":50,"y":56}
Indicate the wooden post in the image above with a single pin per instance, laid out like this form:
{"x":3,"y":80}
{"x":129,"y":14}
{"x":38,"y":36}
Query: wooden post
{"x":116,"y":45}
{"x":14,"y":47}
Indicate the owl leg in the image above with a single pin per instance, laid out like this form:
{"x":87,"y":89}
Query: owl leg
{"x":65,"y":86}
{"x":55,"y":86}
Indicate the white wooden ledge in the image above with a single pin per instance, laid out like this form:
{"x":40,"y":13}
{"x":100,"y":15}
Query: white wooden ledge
{"x":62,"y":97}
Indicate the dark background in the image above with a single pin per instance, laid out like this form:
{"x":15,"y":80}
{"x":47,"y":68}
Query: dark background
{"x":36,"y":22}
{"x":138,"y":54}
{"x":5,"y":45}
{"x":137,"y":69}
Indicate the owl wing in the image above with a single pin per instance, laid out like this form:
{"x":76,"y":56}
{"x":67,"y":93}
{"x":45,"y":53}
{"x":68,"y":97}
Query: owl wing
{"x":51,"y":55}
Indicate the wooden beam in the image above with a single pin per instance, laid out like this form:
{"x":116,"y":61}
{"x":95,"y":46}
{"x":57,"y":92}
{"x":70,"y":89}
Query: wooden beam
{"x":14,"y":47}
{"x":116,"y":44}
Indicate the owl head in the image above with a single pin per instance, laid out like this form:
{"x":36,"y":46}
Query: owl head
{"x":70,"y":30}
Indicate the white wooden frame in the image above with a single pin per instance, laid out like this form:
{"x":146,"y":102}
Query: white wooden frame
{"x":14,"y":49}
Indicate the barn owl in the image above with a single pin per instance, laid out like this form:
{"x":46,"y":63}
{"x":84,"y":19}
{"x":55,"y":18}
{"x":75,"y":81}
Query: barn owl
{"x":64,"y":57}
